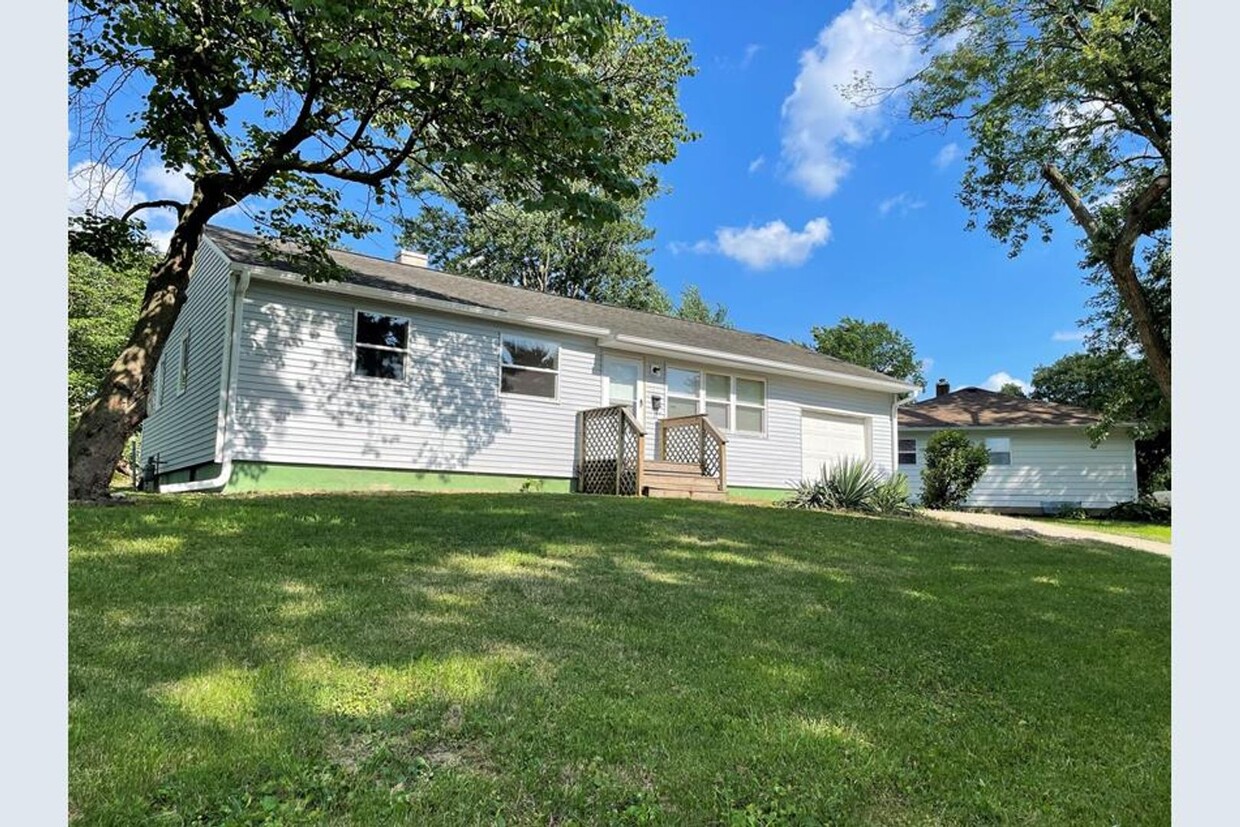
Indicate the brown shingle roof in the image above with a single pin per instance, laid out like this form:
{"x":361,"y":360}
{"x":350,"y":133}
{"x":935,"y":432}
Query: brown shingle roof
{"x":368,"y":271}
{"x":982,"y":408}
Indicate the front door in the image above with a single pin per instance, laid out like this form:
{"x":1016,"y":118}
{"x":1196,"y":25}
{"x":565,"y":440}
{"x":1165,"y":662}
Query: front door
{"x":622,"y":383}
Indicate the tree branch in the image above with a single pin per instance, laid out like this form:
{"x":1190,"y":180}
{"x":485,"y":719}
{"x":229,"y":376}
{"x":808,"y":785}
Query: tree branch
{"x":1072,"y":198}
{"x":147,"y":205}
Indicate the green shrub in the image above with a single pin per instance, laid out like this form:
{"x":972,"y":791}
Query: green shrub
{"x":1144,"y":510}
{"x":1071,"y":511}
{"x":954,"y":464}
{"x":891,"y":496}
{"x":852,"y":485}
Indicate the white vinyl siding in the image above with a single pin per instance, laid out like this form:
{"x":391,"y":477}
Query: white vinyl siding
{"x":182,"y":427}
{"x":1047,"y":465}
{"x":299,"y":402}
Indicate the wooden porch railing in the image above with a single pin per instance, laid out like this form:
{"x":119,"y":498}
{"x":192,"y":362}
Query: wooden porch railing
{"x":611,"y":450}
{"x":694,"y":440}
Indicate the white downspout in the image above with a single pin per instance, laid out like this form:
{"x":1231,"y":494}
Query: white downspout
{"x":234,"y":348}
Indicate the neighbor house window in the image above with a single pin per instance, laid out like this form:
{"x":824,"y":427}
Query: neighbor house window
{"x":380,"y":344}
{"x":907,"y":452}
{"x":729,"y":402}
{"x":183,"y":366}
{"x":1000,"y":450}
{"x":528,"y":367}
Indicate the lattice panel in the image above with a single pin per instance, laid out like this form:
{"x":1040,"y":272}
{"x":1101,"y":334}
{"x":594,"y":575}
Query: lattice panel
{"x":608,"y":438}
{"x":683,"y":443}
{"x":710,"y":459}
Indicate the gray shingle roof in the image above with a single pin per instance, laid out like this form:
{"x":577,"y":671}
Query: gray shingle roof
{"x":368,"y":271}
{"x":982,"y":408}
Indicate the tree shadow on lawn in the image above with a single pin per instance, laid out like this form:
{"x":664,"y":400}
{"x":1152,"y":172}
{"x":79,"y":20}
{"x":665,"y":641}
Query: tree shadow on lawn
{"x":447,"y":658}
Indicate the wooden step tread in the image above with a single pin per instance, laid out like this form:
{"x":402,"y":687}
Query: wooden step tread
{"x":681,"y":481}
{"x":662,"y":467}
{"x":683,"y":494}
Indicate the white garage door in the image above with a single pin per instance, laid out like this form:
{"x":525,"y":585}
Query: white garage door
{"x":827,"y":438}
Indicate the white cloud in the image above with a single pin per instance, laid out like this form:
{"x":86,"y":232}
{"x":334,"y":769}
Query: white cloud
{"x":761,"y":248}
{"x":1068,"y":336}
{"x":902,"y":203}
{"x":871,"y":39}
{"x":101,"y":188}
{"x":751,"y":51}
{"x":946,"y":155}
{"x":757,"y":164}
{"x":164,"y":183}
{"x":997,"y":380}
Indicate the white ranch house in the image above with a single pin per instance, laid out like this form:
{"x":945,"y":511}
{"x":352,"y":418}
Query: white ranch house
{"x":1041,"y":457}
{"x":402,"y":377}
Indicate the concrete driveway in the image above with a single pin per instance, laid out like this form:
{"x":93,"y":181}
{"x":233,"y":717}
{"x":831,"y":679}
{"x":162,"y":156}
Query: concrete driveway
{"x":1017,"y":525}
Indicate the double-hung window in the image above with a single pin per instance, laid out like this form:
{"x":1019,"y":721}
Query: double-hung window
{"x":380,"y":345}
{"x":731,"y":403}
{"x":907,"y":452}
{"x":528,"y":367}
{"x":183,"y":366}
{"x":1000,"y":450}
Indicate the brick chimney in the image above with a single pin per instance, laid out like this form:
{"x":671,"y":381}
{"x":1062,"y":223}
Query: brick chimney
{"x":413,"y":257}
{"x":942,"y":388}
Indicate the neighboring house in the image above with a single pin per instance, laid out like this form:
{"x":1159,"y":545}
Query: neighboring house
{"x":1040,"y":454}
{"x":399,"y":376}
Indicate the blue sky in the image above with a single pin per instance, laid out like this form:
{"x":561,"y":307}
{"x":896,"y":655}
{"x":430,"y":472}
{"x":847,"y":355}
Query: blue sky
{"x":795,"y":208}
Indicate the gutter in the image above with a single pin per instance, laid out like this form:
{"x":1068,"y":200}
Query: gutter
{"x":228,"y":398}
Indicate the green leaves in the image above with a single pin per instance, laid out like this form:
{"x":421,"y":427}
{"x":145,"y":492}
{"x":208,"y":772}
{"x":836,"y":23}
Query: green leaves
{"x":873,"y":345}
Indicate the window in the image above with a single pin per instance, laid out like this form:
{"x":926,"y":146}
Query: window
{"x":379,"y":346}
{"x":183,"y":366}
{"x":719,"y":400}
{"x":163,"y":382}
{"x":683,"y":389}
{"x":907,"y":452}
{"x":528,"y":367}
{"x":156,"y":387}
{"x":750,"y":405}
{"x":1000,"y":449}
{"x":729,"y":402}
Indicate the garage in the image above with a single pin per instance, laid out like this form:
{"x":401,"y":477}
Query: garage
{"x":828,"y":438}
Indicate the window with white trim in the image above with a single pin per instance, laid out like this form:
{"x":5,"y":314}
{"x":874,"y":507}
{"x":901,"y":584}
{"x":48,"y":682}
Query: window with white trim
{"x":1000,"y":450}
{"x":529,"y":367}
{"x":731,"y":403}
{"x":183,"y":365}
{"x":163,"y":382}
{"x":380,"y":345}
{"x":907,"y":452}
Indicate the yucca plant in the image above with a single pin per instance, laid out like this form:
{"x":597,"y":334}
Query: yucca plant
{"x":891,"y":496}
{"x":809,"y":494}
{"x":851,"y":484}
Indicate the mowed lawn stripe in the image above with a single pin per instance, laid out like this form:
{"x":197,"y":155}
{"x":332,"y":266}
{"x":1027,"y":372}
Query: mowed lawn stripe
{"x":537,"y":658}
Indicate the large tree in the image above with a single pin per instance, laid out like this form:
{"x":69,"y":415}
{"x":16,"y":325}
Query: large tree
{"x":1068,"y":106}
{"x":469,"y":227}
{"x":277,"y":105}
{"x":874,"y":345}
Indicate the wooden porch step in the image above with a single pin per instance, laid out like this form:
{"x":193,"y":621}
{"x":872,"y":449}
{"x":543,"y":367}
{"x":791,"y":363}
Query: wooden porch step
{"x":688,"y":483}
{"x":685,"y":494}
{"x":661,"y":467}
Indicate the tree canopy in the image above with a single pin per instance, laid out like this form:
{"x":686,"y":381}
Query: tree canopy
{"x":1012,"y":389}
{"x":1068,"y":107}
{"x":694,"y":308}
{"x":280,"y":107}
{"x":874,"y":345}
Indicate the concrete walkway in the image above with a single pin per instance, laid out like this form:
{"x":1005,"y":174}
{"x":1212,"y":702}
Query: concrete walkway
{"x":1016,"y":525}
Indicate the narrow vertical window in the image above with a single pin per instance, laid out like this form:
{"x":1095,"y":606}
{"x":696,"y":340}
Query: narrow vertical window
{"x":183,"y":366}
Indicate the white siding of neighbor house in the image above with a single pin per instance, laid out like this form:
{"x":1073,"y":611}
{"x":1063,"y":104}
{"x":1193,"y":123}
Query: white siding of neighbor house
{"x":299,"y":402}
{"x":1048,"y":465}
{"x":182,"y":431}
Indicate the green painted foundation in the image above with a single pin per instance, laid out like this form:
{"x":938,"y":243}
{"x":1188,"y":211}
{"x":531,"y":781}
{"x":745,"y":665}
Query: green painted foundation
{"x":770,"y":495}
{"x":257,"y":477}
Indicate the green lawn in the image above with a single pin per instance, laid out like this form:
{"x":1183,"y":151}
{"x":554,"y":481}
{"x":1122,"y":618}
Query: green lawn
{"x":557,"y":659}
{"x":1149,"y":531}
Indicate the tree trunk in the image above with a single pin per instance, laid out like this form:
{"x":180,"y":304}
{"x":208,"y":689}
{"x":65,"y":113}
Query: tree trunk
{"x":120,"y":405}
{"x":1132,"y":294}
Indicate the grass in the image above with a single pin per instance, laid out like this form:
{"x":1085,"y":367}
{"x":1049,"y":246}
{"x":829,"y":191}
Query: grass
{"x":557,"y":659}
{"x":1148,"y":531}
